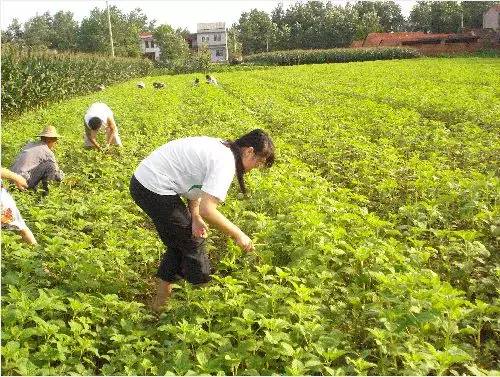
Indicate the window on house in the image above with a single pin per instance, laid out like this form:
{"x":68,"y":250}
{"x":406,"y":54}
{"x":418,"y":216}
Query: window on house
{"x":217,"y":37}
{"x":146,"y":43}
{"x":152,"y":44}
{"x":219,"y":52}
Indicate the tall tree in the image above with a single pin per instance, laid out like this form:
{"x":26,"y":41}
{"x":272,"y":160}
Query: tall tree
{"x":341,"y":26}
{"x":306,"y":22}
{"x":369,"y":22}
{"x":172,"y":44}
{"x":257,"y":31}
{"x":38,"y":31}
{"x":93,"y":35}
{"x":473,"y":12}
{"x":282,"y":34}
{"x":389,"y":14}
{"x":14,"y":32}
{"x":420,"y":17}
{"x":436,"y":16}
{"x":65,"y":30}
{"x":446,"y":17}
{"x":233,"y":41}
{"x":314,"y":25}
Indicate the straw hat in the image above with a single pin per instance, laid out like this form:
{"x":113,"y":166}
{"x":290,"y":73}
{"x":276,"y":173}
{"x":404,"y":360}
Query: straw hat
{"x":49,"y":131}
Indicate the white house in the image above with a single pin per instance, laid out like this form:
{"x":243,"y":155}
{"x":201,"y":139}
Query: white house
{"x":210,"y":35}
{"x":148,"y":46}
{"x":491,"y":18}
{"x":214,"y":37}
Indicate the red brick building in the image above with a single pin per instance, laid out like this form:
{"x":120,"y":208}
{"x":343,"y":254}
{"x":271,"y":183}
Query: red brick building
{"x":428,"y":44}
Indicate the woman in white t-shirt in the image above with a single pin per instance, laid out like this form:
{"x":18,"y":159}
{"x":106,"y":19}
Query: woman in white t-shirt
{"x":97,"y":115}
{"x":199,"y":169}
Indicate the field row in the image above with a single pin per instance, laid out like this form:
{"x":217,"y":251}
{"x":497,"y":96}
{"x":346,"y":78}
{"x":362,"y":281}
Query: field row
{"x":376,"y":230}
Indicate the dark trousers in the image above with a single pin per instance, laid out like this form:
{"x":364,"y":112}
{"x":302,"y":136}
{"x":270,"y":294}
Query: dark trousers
{"x":44,"y":172}
{"x":185,"y":255}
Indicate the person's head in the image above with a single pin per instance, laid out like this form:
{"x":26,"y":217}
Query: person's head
{"x":95,"y":123}
{"x":50,"y":141}
{"x":49,"y":136}
{"x":257,"y":150}
{"x":252,"y":150}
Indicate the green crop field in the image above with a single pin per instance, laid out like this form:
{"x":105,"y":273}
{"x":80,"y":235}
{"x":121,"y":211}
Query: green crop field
{"x":377,"y":230}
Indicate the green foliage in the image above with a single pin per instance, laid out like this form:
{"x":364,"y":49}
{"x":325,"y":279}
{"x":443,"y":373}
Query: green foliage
{"x":447,"y":16}
{"x":172,"y":45}
{"x":256,"y":31}
{"x":31,"y":78}
{"x":388,"y":14}
{"x":194,"y":62}
{"x":93,"y":34}
{"x":376,"y":231}
{"x":473,"y":12}
{"x":338,"y":55}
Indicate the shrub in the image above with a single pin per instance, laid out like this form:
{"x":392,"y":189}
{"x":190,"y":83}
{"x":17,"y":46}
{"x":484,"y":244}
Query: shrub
{"x":336,"y":55}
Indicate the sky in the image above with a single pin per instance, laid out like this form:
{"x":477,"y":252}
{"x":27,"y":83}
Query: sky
{"x":179,"y":14}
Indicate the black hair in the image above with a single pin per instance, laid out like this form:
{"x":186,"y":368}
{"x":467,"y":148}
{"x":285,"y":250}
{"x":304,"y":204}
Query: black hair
{"x":262,"y":145}
{"x":95,"y":123}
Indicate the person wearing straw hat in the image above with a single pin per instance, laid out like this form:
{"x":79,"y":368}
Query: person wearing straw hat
{"x":37,"y":163}
{"x":97,"y":115}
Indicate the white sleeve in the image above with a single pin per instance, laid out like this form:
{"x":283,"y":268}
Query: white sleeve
{"x":218,"y":178}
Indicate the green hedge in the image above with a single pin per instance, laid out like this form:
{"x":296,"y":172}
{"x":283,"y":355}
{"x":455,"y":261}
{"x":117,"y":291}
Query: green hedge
{"x":336,"y":55}
{"x":33,"y":78}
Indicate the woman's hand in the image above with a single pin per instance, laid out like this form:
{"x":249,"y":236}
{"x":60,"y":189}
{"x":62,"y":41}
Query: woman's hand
{"x":244,"y":242}
{"x":15,"y":178}
{"x":20,"y":182}
{"x":199,"y":227}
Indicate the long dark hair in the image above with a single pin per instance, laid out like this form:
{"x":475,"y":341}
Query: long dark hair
{"x":262,"y":145}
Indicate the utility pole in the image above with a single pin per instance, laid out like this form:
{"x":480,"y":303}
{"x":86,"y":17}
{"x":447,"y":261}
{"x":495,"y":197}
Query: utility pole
{"x":110,"y":33}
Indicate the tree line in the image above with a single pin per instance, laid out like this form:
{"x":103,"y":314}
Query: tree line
{"x":310,"y":25}
{"x":316,"y":24}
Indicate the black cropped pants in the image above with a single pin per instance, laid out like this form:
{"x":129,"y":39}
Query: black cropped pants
{"x":185,"y":256}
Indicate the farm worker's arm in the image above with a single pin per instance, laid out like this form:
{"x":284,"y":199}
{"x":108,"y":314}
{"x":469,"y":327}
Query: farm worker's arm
{"x":17,"y":179}
{"x":91,"y":136}
{"x":28,"y":236}
{"x":56,"y":173}
{"x":209,"y":211}
{"x":198,"y":226}
{"x":111,"y":130}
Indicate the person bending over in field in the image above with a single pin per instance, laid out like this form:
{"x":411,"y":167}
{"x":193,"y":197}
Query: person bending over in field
{"x":37,"y":163}
{"x":100,"y":117}
{"x":199,"y":169}
{"x":211,"y":80}
{"x":11,"y":218}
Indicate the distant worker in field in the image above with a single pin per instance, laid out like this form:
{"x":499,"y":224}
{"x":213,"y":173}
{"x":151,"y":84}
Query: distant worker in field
{"x":211,"y":80}
{"x":201,"y":170}
{"x":10,"y":216}
{"x":37,"y":163}
{"x":100,"y":117}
